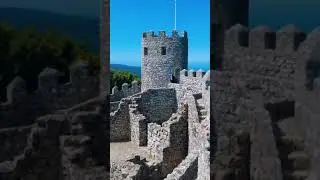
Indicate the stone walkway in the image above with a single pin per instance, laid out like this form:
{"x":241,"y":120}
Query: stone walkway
{"x":120,"y":151}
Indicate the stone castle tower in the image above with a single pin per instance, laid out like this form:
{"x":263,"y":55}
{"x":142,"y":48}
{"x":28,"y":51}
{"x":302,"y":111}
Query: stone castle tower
{"x":163,"y":57}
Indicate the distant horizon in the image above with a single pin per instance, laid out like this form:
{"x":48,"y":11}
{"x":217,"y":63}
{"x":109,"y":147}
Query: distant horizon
{"x":191,"y":66}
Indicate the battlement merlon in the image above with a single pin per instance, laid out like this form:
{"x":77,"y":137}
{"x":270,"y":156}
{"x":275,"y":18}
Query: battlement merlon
{"x":192,"y":73}
{"x":162,"y":34}
{"x":48,"y":79}
{"x":79,"y":74}
{"x":287,"y":39}
{"x":135,"y":88}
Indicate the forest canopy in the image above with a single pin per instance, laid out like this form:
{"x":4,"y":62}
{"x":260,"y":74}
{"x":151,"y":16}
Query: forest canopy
{"x":26,"y":52}
{"x":120,"y":77}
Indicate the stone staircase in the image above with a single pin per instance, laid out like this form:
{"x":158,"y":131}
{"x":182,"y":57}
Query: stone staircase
{"x":202,"y":112}
{"x":73,"y":147}
{"x":135,"y":103}
{"x":77,"y":159}
{"x":295,"y":162}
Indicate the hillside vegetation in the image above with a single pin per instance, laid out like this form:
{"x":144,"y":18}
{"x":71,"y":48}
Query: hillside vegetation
{"x":119,"y":77}
{"x":26,"y":52}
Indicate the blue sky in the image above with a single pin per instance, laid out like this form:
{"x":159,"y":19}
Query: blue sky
{"x":130,"y":18}
{"x":277,"y":13}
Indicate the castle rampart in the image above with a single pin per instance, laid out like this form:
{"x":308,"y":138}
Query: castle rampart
{"x":22,"y":107}
{"x":285,"y":40}
{"x":263,"y":148}
{"x":193,"y":82}
{"x":282,"y":67}
{"x":262,"y":51}
{"x":193,"y":125}
{"x":126,"y":90}
{"x":162,"y":34}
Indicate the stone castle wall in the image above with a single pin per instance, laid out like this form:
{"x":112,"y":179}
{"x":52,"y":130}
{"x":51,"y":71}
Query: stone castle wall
{"x":192,"y":82}
{"x":114,"y":106}
{"x":22,"y":108}
{"x":282,"y":67}
{"x":258,"y":60}
{"x":55,"y":143}
{"x":138,"y":123}
{"x":197,"y":163}
{"x":157,"y":105}
{"x":187,"y":169}
{"x":307,"y":104}
{"x":311,"y":135}
{"x":126,"y":90}
{"x":151,"y":106}
{"x":262,"y":52}
{"x":13,"y":141}
{"x":167,"y":143}
{"x":206,"y":90}
{"x":263,"y":148}
{"x":157,"y":69}
{"x":193,"y":125}
{"x":120,"y":122}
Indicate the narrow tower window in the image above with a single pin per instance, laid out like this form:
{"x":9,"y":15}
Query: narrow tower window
{"x":163,"y":51}
{"x":145,"y":51}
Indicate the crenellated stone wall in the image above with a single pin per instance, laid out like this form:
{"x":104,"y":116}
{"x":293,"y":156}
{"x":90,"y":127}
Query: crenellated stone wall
{"x":22,"y":108}
{"x":192,"y":82}
{"x":126,"y":91}
{"x":282,"y":68}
